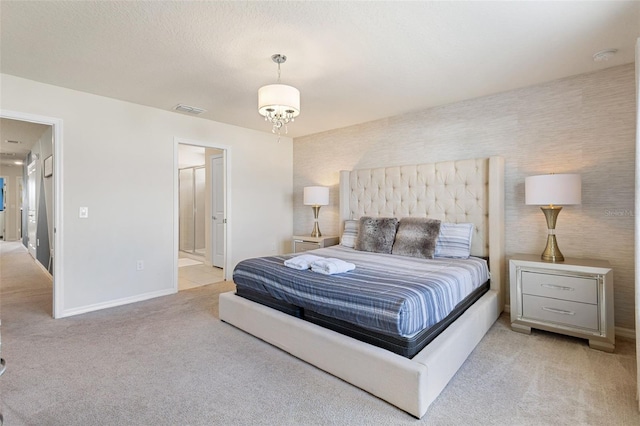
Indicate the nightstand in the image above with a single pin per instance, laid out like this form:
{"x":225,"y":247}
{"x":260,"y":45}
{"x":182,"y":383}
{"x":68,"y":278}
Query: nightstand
{"x":574,"y":297}
{"x":304,"y":242}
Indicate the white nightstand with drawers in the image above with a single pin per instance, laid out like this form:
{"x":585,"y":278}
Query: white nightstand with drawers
{"x":304,"y":242}
{"x":574,"y":297}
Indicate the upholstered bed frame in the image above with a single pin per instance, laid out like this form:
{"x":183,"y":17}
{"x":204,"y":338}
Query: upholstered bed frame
{"x":455,"y":191}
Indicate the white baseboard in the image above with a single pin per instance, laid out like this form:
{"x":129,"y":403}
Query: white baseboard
{"x":114,"y":303}
{"x":44,"y":269}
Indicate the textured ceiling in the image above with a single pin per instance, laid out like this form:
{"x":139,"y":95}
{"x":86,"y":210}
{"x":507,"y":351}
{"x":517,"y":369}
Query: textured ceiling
{"x":352,"y":61}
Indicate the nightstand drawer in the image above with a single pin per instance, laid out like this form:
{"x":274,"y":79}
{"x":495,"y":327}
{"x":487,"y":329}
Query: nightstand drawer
{"x":301,"y":246}
{"x":565,"y":287}
{"x":575,"y":314}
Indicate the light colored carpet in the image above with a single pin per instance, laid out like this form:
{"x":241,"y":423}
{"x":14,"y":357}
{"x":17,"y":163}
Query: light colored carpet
{"x":170,"y":361}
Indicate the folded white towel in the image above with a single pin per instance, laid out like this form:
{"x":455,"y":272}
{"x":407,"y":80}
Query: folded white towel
{"x":301,"y":262}
{"x":331,"y":265}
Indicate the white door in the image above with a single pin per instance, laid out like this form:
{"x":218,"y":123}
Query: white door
{"x":217,"y":209}
{"x":32,"y":224}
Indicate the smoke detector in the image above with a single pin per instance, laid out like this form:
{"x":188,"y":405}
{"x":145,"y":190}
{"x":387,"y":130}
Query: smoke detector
{"x":604,"y":55}
{"x":189,"y":109}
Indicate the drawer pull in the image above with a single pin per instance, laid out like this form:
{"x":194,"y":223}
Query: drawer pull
{"x":558,"y":311}
{"x":557,"y":287}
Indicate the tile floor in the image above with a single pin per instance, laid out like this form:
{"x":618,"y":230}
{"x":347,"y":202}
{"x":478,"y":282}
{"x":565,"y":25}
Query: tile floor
{"x":197,"y":275}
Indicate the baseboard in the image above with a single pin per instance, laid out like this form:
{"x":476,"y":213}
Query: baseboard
{"x":507,"y":308}
{"x":114,"y":303}
{"x":44,"y":269}
{"x":627,"y":333}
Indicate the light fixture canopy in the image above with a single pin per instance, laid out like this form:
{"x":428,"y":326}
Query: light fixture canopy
{"x":604,"y":55}
{"x":316,"y":196}
{"x":279,"y":103}
{"x":548,"y":191}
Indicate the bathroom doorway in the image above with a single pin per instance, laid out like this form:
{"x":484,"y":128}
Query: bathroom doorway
{"x":197,"y":197}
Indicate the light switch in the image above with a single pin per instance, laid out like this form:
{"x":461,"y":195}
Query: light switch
{"x":84,"y":212}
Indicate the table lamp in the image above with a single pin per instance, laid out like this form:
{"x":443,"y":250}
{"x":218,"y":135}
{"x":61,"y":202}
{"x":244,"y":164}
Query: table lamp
{"x":316,"y":196}
{"x":550,"y":192}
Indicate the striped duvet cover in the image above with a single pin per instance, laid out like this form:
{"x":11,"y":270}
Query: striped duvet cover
{"x":389,"y":294}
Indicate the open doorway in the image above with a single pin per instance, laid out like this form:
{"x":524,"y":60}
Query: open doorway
{"x":28,"y":151}
{"x":201,"y":215}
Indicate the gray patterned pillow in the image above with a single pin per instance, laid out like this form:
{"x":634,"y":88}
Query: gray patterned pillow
{"x":376,"y":234}
{"x":416,"y":237}
{"x":350,"y":233}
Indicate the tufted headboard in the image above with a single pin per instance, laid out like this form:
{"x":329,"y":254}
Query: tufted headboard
{"x":452,"y":191}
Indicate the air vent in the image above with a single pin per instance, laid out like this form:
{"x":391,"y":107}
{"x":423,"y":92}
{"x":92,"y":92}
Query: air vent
{"x":16,"y":142}
{"x":7,"y":154}
{"x":189,"y":109}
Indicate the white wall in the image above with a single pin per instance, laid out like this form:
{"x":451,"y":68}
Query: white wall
{"x":118,"y":161}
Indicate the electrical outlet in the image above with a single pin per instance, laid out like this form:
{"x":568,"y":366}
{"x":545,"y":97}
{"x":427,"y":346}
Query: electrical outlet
{"x":84,"y":212}
{"x":140,"y":265}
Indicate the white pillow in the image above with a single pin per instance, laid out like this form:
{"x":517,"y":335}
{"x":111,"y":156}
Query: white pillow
{"x":454,"y":240}
{"x":350,"y":233}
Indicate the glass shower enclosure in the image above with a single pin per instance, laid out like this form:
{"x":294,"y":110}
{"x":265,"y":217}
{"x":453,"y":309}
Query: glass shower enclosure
{"x":191,"y":181}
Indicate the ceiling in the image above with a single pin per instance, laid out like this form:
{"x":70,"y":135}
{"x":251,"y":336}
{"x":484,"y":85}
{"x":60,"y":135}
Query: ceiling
{"x":25,"y":134}
{"x":352,"y":61}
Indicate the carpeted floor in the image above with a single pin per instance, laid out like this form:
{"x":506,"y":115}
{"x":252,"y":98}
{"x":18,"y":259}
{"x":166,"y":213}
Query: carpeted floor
{"x":170,"y":361}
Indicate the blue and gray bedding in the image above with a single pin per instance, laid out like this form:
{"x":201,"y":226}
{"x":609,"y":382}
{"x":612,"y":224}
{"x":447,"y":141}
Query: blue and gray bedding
{"x":393,"y":295}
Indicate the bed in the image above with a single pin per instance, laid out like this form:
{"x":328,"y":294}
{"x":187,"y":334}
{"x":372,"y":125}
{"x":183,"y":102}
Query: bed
{"x":457,"y":191}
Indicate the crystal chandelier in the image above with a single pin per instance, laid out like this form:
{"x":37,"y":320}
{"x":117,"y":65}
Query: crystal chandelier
{"x":279,"y":103}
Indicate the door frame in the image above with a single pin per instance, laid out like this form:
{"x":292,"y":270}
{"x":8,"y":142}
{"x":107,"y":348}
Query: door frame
{"x":212,"y":231}
{"x":226,"y":164}
{"x":58,"y":233}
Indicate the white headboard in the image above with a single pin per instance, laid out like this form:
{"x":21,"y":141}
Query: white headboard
{"x":452,"y":191}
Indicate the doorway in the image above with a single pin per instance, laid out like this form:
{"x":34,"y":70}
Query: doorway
{"x":201,"y":214}
{"x":32,"y":193}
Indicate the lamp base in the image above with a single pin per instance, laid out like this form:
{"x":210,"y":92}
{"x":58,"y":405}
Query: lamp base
{"x":316,"y":229}
{"x":551,"y":252}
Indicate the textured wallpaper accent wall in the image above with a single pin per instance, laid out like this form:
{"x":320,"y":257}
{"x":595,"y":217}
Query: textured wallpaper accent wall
{"x":582,"y":124}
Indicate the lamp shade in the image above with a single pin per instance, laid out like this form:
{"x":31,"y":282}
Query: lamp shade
{"x":561,"y":189}
{"x":279,"y":99}
{"x":316,"y":196}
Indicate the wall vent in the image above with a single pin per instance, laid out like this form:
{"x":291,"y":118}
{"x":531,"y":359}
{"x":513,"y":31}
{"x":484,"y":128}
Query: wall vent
{"x":189,"y":109}
{"x":10,"y":141}
{"x":7,"y":154}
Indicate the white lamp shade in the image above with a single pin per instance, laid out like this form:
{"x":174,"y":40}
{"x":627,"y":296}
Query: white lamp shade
{"x":280,"y":98}
{"x":562,"y":189}
{"x":316,"y":196}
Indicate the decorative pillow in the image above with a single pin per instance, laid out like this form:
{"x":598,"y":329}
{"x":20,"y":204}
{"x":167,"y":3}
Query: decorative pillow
{"x":416,"y":237}
{"x":350,"y":233}
{"x":454,"y":240}
{"x":376,"y":234}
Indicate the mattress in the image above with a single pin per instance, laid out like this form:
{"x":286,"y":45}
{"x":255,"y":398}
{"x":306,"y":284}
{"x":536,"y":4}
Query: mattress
{"x":407,"y":347}
{"x":393,"y":295}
